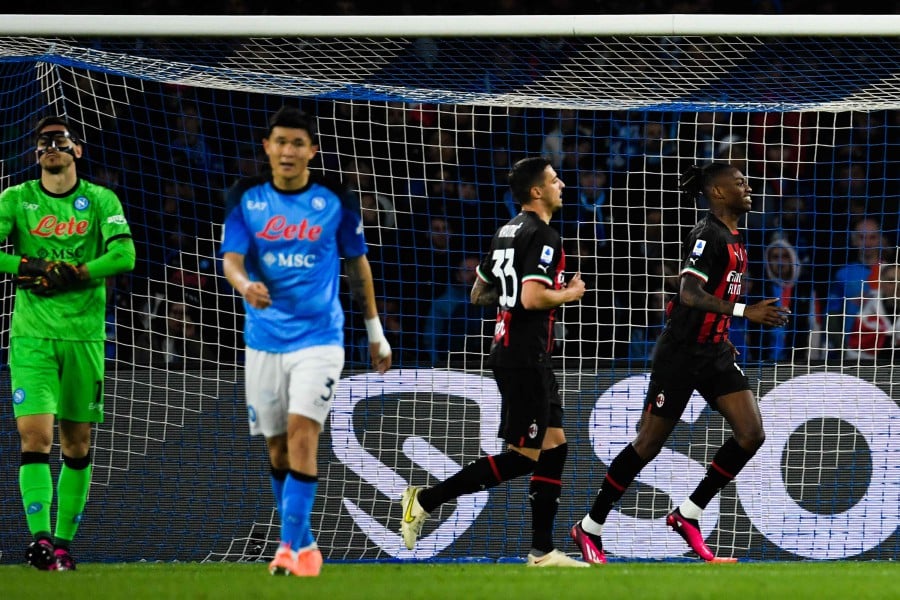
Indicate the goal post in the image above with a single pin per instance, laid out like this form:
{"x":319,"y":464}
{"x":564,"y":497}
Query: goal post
{"x":423,"y":116}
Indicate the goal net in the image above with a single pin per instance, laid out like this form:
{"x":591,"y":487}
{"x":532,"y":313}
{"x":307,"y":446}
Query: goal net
{"x":423,"y":118}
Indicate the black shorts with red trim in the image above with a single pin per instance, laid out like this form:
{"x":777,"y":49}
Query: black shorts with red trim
{"x":679,"y":369}
{"x":530,"y":404}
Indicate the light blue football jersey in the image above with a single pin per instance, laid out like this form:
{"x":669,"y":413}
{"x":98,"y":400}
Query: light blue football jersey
{"x":293,"y":242}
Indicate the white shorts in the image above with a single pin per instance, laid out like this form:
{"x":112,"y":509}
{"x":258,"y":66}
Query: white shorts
{"x":300,"y":383}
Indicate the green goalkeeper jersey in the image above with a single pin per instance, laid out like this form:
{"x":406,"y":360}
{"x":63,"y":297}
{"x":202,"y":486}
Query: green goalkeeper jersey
{"x":76,"y":228}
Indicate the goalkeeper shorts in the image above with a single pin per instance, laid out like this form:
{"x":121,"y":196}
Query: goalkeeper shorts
{"x":300,"y":382}
{"x":59,"y":377}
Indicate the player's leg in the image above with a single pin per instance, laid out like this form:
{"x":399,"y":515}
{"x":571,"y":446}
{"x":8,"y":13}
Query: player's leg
{"x":663,"y":407}
{"x":730,"y":394}
{"x":35,"y":393}
{"x":545,"y":486}
{"x":522,"y":424}
{"x":314,"y":374}
{"x":265,"y":387}
{"x":80,"y":406}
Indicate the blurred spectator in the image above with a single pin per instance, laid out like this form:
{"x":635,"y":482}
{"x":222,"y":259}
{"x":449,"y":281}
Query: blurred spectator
{"x":173,"y":338}
{"x":567,"y":124}
{"x":452,"y":319}
{"x":785,"y":279}
{"x":875,"y":332}
{"x":853,"y":280}
{"x":191,"y":142}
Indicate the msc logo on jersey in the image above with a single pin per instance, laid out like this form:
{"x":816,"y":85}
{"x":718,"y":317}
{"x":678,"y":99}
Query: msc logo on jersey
{"x":282,"y":259}
{"x":546,"y":255}
{"x":318,"y":203}
{"x":81,"y":203}
{"x":19,"y":396}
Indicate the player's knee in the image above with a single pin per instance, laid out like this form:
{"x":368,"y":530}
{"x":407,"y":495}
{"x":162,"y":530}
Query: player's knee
{"x":751,"y":440}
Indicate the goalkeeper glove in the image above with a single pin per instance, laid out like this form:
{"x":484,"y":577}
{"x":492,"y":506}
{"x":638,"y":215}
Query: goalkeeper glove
{"x":37,"y":273}
{"x":36,"y":285}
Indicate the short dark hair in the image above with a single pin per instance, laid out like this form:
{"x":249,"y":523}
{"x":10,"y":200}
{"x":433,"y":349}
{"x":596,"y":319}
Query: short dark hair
{"x":697,"y":180}
{"x":524,"y":175}
{"x":57,"y":120}
{"x":293,"y":118}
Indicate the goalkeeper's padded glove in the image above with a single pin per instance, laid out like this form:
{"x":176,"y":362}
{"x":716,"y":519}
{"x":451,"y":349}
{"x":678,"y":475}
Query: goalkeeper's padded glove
{"x":32,"y":267}
{"x":62,"y":275}
{"x":36,"y":285}
{"x":44,"y":275}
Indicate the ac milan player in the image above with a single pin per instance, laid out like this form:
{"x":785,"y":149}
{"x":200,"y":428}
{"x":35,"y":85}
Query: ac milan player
{"x":523,"y":274}
{"x":282,"y":243}
{"x":693,"y":353}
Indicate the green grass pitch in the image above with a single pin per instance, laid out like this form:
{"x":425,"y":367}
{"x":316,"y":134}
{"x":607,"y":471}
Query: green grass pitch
{"x":465,"y":581}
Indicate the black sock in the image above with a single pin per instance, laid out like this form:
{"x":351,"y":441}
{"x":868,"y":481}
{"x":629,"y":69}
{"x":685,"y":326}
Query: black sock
{"x":482,"y":474}
{"x":725,"y":466}
{"x":624,"y":468}
{"x":544,"y":492}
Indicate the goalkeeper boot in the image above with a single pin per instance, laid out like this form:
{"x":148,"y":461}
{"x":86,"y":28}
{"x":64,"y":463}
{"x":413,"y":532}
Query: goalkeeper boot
{"x":554,"y":559}
{"x":689,"y":530}
{"x":285,"y":561}
{"x":591,"y":545}
{"x":64,"y":560}
{"x":413,"y":516}
{"x":39,"y":555}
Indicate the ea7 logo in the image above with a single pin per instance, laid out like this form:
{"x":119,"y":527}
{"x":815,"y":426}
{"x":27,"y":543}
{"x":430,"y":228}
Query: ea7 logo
{"x":256,"y":205}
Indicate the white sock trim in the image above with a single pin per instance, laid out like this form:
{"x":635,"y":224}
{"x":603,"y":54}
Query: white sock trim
{"x":689,"y":510}
{"x":591,"y":526}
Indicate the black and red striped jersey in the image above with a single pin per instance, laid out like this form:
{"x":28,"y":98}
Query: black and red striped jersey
{"x":717,"y":256}
{"x":525,"y":249}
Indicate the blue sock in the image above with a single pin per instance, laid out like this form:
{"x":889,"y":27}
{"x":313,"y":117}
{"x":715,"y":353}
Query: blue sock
{"x":297,"y":502}
{"x":278,"y":477}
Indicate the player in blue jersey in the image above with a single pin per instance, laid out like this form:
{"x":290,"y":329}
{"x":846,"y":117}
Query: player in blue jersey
{"x":283,"y":239}
{"x":693,"y":353}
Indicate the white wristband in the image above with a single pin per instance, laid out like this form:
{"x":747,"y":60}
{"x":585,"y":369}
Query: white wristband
{"x":738,"y":309}
{"x":376,"y":336}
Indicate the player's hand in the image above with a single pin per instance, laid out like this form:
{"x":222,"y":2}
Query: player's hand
{"x":576,"y":287}
{"x":257,"y":295}
{"x":36,"y":285}
{"x":41,"y":275}
{"x":381,"y":355}
{"x":768,"y":313}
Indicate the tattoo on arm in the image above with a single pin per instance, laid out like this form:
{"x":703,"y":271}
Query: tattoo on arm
{"x":693,"y":295}
{"x":357,"y":283}
{"x":484,"y":295}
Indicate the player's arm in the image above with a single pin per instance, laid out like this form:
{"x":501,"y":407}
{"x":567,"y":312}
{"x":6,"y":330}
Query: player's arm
{"x":537,"y":296}
{"x":484,"y":292}
{"x":254,"y":292}
{"x":362,"y":290}
{"x":119,"y":257}
{"x":766,"y":312}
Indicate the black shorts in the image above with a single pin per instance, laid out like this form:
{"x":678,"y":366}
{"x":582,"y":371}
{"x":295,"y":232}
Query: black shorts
{"x":679,"y":369}
{"x":530,"y":404}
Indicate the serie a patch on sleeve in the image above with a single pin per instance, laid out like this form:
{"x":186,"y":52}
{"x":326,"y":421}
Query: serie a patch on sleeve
{"x":546,"y":254}
{"x":699,"y":245}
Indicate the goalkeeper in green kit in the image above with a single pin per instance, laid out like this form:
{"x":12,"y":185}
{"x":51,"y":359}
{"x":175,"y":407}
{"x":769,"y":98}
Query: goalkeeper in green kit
{"x":68,"y":236}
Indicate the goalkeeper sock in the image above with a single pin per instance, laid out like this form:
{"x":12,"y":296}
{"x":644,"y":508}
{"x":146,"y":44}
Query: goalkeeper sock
{"x":297,"y":502}
{"x":482,"y":474}
{"x":36,"y":485}
{"x":544,"y":492}
{"x":725,"y":466}
{"x":622,"y":471}
{"x":278,"y":478}
{"x":72,"y":492}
